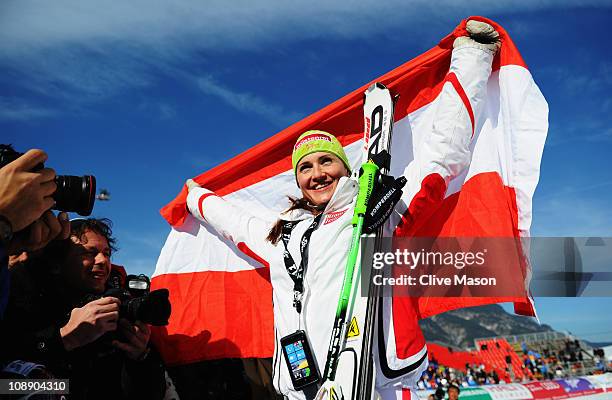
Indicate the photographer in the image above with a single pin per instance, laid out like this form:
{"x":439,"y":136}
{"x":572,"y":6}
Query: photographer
{"x":57,"y":316}
{"x":25,"y":200}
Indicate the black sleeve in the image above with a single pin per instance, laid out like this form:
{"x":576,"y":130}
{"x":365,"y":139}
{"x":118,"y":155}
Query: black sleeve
{"x":4,"y":280}
{"x":144,"y":379}
{"x":30,"y":330}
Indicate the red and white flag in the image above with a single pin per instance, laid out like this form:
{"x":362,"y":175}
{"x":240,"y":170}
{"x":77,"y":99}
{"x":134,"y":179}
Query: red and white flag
{"x":221,"y":295}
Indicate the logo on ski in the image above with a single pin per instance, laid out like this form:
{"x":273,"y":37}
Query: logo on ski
{"x":366,"y":136}
{"x":353,"y":330}
{"x":379,"y":117}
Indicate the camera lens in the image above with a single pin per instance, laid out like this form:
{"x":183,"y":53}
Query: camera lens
{"x":75,"y":193}
{"x":153,"y":308}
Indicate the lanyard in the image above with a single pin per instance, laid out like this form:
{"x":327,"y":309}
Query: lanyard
{"x":296,"y":272}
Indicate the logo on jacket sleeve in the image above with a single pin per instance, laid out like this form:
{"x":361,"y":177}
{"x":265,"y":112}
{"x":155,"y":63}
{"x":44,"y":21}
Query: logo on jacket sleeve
{"x":332,"y":216}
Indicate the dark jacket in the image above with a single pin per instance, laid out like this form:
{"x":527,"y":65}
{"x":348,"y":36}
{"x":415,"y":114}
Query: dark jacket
{"x":39,"y":305}
{"x":4,"y":280}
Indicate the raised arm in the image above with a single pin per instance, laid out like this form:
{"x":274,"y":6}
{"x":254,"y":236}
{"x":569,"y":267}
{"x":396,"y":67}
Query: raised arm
{"x":447,"y":127}
{"x":246,"y":231}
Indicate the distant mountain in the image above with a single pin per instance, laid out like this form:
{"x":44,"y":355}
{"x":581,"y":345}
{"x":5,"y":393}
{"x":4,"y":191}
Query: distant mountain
{"x":598,"y":345}
{"x":460,"y":327}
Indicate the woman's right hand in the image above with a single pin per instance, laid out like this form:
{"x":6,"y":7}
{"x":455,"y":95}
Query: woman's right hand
{"x":191,"y":184}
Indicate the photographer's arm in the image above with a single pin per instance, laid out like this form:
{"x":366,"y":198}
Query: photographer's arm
{"x":43,"y":346}
{"x":35,"y":326}
{"x":137,"y":337}
{"x":143,"y":374}
{"x":45,"y":229}
{"x":31,"y":326}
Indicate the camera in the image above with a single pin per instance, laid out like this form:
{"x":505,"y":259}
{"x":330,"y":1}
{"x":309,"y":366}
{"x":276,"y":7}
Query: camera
{"x":73,"y":193}
{"x":138,"y":302}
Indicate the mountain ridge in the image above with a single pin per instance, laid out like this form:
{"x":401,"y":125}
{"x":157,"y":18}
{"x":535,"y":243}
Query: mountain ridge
{"x":460,"y":327}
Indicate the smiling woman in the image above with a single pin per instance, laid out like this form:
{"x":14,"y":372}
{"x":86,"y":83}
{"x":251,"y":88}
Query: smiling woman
{"x":307,"y":248}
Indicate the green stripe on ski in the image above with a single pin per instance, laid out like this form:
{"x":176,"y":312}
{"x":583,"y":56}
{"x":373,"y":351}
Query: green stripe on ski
{"x":367,"y":180}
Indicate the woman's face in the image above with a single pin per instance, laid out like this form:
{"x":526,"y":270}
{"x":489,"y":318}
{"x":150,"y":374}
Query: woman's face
{"x":318,"y":175}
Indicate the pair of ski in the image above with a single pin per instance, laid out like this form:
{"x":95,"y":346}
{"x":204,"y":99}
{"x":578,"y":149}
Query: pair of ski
{"x":349,"y":370}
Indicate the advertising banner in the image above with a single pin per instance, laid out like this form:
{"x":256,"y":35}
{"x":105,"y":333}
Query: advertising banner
{"x":594,"y":387}
{"x":546,"y":390}
{"x":475,"y":393}
{"x":576,"y":387}
{"x":513,"y":391}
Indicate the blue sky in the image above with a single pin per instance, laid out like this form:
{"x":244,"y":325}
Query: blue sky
{"x":144,"y":94}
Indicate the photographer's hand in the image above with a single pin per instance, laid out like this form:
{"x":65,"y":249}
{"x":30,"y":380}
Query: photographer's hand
{"x":41,"y":232}
{"x":137,"y":336}
{"x":89,"y":322}
{"x":25,"y":195}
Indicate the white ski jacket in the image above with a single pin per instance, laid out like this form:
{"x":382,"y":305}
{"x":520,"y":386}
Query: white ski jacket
{"x":400,"y":358}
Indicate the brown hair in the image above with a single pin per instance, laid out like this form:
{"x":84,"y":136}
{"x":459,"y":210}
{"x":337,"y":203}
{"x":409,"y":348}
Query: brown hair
{"x":57,"y":249}
{"x":296,"y":204}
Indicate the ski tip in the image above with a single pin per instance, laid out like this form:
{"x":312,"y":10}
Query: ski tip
{"x":375,"y":86}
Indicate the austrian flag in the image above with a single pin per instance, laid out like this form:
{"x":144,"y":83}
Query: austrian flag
{"x":220,"y":292}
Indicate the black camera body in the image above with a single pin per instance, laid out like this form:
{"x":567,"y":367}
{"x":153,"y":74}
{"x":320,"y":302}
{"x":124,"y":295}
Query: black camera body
{"x":137,"y":301}
{"x":152,"y":308}
{"x":73,"y":193}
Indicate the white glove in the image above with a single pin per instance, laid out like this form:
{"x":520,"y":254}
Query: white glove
{"x":482,"y":36}
{"x":191,"y":184}
{"x":330,"y":390}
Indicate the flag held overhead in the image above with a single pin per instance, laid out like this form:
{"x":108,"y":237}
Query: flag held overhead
{"x":490,"y":197}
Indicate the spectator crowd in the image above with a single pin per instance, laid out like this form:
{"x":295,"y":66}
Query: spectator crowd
{"x":553,"y":362}
{"x":563,"y":360}
{"x":440,"y":376}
